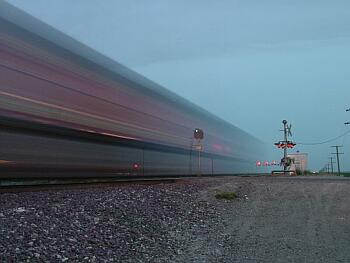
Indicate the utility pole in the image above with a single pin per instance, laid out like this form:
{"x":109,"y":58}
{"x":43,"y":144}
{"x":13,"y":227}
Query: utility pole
{"x":337,"y":153}
{"x":331,"y":162}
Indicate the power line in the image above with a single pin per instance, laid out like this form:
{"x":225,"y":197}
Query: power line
{"x":327,"y":141}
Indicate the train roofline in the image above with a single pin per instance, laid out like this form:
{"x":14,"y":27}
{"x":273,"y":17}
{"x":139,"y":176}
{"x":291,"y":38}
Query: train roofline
{"x":90,"y":58}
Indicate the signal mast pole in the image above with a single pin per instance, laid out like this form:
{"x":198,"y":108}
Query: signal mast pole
{"x":198,"y":134}
{"x":285,"y":145}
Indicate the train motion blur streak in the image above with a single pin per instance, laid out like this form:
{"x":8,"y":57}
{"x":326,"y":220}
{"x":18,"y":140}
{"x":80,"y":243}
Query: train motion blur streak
{"x":66,"y":110}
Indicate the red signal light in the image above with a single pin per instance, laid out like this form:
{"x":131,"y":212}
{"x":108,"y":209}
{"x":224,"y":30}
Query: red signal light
{"x":283,"y":144}
{"x":280,"y":145}
{"x":290,"y":144}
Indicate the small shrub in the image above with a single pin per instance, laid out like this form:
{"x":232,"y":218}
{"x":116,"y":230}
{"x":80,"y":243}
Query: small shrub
{"x":226,"y":195}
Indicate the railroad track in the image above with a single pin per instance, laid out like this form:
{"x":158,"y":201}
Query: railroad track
{"x":33,"y":184}
{"x":7,"y":186}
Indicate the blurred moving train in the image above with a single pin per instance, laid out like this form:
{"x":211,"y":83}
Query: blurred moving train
{"x":66,"y":110}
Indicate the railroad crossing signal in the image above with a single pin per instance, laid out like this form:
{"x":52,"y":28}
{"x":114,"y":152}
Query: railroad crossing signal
{"x":283,"y":144}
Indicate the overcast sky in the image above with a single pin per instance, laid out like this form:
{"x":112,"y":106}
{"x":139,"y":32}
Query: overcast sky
{"x":252,"y":62}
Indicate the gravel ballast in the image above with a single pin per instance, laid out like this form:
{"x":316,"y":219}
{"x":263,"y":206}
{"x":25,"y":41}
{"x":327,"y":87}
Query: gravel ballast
{"x":272,"y":220}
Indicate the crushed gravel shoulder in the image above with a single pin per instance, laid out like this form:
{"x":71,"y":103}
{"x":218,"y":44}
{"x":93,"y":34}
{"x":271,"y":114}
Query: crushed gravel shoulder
{"x":273,"y":220}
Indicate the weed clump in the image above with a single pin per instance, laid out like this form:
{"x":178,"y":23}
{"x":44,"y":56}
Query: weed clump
{"x":226,"y":195}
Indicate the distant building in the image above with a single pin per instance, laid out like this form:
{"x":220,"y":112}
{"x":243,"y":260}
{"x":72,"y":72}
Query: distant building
{"x":300,"y":162}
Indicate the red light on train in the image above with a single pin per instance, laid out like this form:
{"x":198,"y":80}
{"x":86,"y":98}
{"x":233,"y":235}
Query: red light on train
{"x":217,"y":147}
{"x":258,"y":163}
{"x":135,"y":166}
